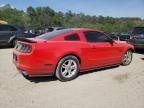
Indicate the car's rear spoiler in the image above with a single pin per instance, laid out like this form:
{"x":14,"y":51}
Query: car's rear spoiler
{"x":26,"y":40}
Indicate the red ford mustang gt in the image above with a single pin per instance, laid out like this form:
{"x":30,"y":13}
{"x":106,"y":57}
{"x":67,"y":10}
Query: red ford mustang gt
{"x":66,"y":52}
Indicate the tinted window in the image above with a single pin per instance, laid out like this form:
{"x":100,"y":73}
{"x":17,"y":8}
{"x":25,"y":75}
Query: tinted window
{"x":95,"y":37}
{"x":124,"y":37}
{"x":54,"y":34}
{"x":7,"y":28}
{"x":73,"y":37}
{"x":138,"y":30}
{"x":114,"y":37}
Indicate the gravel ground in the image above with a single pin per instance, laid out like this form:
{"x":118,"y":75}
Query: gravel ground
{"x":117,"y":87}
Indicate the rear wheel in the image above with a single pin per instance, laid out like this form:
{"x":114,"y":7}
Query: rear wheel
{"x":67,"y":68}
{"x":127,"y":58}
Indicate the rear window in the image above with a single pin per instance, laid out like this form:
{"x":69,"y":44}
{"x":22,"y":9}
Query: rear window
{"x":138,"y":30}
{"x":53,"y":34}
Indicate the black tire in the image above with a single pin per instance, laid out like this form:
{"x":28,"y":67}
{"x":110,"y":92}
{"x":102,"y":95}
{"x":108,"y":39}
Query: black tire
{"x":70,"y":71}
{"x":14,"y":42}
{"x":25,"y":76}
{"x":127,"y":58}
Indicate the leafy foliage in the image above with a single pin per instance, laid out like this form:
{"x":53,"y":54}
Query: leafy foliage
{"x":42,"y":17}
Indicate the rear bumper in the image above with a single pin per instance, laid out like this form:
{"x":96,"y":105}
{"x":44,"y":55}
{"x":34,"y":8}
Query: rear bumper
{"x":31,"y":65}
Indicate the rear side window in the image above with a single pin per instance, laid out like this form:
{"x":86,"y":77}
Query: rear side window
{"x":73,"y":37}
{"x":7,"y":28}
{"x":93,"y":36}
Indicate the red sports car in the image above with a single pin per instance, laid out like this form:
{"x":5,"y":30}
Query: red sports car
{"x":67,"y":52}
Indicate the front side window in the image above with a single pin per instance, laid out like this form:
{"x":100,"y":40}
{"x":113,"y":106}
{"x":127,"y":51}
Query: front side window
{"x":73,"y":37}
{"x":92,"y":36}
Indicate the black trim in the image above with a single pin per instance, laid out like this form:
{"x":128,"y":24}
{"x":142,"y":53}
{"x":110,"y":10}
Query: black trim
{"x":26,"y":40}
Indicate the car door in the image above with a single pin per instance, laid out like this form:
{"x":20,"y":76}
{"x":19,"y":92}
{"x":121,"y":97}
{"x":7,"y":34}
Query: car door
{"x":6,"y":31}
{"x":101,"y":50}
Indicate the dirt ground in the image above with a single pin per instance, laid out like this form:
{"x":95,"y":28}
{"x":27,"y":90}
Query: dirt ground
{"x":117,"y":87}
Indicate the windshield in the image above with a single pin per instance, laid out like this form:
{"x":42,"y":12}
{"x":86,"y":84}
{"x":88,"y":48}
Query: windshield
{"x":53,"y":34}
{"x":138,"y":30}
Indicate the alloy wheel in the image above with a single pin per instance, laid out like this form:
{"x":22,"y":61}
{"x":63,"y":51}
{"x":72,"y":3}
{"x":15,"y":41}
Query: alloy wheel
{"x":127,"y":58}
{"x":69,"y":68}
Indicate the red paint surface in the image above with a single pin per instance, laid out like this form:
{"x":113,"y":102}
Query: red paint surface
{"x":46,"y":54}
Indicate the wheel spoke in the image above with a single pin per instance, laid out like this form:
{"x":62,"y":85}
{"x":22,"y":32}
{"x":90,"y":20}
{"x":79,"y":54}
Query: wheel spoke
{"x":65,"y":73}
{"x":73,"y":67}
{"x":69,"y":73}
{"x":64,"y":66}
{"x":70,"y":63}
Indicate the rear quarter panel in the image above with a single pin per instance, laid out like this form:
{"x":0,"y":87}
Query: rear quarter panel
{"x":52,"y":52}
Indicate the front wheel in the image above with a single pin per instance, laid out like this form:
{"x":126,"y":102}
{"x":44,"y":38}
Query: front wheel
{"x":127,"y":58}
{"x":67,"y":68}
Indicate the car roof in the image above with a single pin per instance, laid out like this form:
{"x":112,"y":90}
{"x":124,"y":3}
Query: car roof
{"x":13,"y":25}
{"x":56,"y":33}
{"x":82,"y":29}
{"x":10,"y":25}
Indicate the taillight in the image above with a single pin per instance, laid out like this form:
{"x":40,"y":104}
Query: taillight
{"x":24,"y":48}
